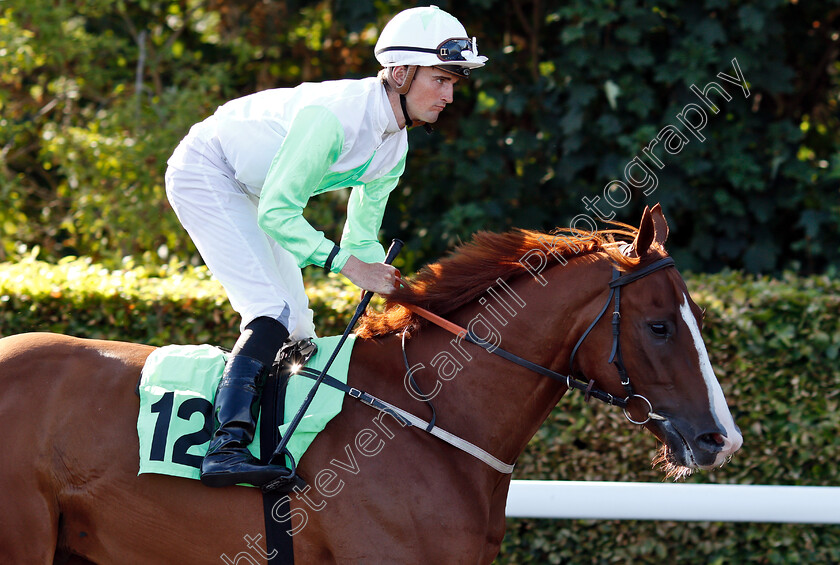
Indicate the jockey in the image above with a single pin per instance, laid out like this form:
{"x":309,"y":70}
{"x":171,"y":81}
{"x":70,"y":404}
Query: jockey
{"x":239,"y":182}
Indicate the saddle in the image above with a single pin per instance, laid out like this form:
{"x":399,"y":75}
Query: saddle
{"x":176,"y":390}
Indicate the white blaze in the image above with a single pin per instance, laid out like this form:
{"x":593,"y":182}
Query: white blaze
{"x":733,"y":439}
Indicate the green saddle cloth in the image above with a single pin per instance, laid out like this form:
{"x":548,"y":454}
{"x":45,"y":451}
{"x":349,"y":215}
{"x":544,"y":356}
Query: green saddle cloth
{"x":177,"y":387}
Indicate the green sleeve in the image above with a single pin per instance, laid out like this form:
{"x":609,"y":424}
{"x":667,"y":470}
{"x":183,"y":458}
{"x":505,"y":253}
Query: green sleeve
{"x":313,"y":143}
{"x":365,"y":210}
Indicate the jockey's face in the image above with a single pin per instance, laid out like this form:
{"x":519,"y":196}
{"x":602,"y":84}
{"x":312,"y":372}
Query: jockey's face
{"x":430,"y":92}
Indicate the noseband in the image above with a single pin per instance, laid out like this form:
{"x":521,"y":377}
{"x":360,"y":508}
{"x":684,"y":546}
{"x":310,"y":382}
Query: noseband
{"x":588,"y":388}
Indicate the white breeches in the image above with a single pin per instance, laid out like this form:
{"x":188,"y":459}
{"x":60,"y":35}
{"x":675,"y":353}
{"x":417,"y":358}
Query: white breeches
{"x":220,"y":215}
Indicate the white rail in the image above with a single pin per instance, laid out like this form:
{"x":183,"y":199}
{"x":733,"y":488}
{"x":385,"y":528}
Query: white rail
{"x":669,"y":501}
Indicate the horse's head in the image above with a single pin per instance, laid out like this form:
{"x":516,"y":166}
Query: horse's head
{"x":665,"y":360}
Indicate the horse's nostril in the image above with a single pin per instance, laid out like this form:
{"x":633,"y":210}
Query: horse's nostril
{"x":711,"y":442}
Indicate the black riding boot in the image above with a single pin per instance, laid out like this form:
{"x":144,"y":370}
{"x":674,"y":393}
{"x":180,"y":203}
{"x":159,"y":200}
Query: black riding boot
{"x":228,"y":461}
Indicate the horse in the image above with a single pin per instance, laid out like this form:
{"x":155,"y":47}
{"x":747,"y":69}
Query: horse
{"x":377,"y":491}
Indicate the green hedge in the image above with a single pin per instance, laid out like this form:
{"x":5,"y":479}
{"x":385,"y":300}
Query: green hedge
{"x":158,"y":305}
{"x":96,"y":94}
{"x":774,"y":344}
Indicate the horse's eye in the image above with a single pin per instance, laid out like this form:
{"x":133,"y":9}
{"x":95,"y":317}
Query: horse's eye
{"x":659,"y":329}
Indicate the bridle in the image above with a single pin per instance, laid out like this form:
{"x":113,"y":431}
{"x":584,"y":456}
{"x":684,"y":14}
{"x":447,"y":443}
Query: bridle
{"x":616,"y":358}
{"x":587,"y":387}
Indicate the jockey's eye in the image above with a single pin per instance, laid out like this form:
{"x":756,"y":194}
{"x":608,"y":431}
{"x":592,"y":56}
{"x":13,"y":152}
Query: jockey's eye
{"x":659,"y":329}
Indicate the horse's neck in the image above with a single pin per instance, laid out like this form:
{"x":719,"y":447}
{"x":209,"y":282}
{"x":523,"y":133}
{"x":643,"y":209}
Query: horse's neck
{"x":492,"y":401}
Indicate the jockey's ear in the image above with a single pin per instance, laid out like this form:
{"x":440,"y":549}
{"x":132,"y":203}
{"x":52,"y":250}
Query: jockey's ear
{"x":645,"y":235}
{"x":401,"y":77}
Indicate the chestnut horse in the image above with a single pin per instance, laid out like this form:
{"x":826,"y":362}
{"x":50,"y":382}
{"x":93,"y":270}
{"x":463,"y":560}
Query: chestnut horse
{"x":377,"y":492}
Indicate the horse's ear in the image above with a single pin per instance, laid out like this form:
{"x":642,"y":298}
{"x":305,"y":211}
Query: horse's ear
{"x":645,"y":235}
{"x":660,"y":226}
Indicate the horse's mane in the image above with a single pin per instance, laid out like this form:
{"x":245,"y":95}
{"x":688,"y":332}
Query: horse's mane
{"x":473,"y":267}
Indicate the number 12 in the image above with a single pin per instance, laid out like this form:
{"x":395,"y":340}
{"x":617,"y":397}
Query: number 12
{"x":163,"y":408}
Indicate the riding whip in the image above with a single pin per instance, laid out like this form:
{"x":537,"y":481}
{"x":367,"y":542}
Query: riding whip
{"x":393,"y":251}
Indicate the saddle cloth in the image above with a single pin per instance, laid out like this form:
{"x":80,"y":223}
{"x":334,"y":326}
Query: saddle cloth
{"x":177,"y":387}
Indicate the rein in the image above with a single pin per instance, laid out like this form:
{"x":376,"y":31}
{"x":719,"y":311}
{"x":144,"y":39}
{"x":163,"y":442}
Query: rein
{"x":616,"y":358}
{"x":568,"y":380}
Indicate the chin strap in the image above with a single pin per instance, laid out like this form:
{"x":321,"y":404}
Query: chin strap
{"x":402,"y":90}
{"x":408,"y":122}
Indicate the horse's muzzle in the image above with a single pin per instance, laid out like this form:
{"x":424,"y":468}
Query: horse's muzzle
{"x":704,"y":448}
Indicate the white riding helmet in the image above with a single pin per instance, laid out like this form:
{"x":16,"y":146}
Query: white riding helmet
{"x":428,"y":37}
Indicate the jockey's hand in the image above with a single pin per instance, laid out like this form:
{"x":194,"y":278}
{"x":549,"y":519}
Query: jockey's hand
{"x":375,"y":277}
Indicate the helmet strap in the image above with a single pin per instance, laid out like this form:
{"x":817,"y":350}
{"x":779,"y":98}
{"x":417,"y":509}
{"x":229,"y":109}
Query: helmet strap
{"x":408,"y":121}
{"x":403,"y":89}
